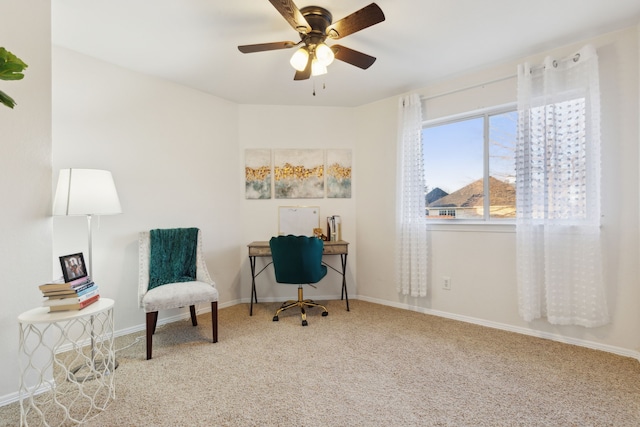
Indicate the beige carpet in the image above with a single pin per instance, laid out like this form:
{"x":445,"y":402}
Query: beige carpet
{"x":372,"y":366}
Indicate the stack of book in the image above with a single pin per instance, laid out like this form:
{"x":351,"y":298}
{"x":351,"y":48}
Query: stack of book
{"x":74,"y":295}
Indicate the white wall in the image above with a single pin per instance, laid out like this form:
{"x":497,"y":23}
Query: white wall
{"x":480,"y":260}
{"x":25,"y":176}
{"x":174,"y":157}
{"x":282,"y":127}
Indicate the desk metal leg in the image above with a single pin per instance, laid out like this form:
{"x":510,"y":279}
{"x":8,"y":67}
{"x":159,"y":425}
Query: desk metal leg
{"x":254,"y":296}
{"x":343,"y":273}
{"x":344,"y":295}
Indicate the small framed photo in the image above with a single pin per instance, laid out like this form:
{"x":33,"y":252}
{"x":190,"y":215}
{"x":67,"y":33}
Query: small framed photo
{"x":73,"y":267}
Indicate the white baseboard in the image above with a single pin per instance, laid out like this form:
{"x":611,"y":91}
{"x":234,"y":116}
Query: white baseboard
{"x":206,"y":308}
{"x":510,"y":328}
{"x":10,"y":398}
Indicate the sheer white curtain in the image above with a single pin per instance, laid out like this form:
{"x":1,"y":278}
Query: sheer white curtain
{"x":411,"y":222}
{"x":559,"y":263}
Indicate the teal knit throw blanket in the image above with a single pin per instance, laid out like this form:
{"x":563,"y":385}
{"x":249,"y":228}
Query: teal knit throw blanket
{"x":173,"y":256}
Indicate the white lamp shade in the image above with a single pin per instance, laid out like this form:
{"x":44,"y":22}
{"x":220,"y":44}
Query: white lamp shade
{"x":324,"y":54}
{"x":299,"y":59}
{"x":318,"y":68}
{"x":86,"y":192}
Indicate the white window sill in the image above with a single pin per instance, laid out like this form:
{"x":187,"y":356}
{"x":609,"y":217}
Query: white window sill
{"x":461,"y":225}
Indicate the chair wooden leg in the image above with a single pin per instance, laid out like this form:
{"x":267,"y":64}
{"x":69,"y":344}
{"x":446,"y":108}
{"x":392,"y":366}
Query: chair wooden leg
{"x":152,"y":320}
{"x":194,"y":319}
{"x":214,"y":320}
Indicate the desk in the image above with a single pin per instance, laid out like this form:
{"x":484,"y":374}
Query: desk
{"x":262,"y":249}
{"x":52,"y":356}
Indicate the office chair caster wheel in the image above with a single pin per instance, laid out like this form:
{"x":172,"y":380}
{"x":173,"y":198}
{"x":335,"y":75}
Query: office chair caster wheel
{"x":304,"y":323}
{"x":325,"y":313}
{"x":275,"y":318}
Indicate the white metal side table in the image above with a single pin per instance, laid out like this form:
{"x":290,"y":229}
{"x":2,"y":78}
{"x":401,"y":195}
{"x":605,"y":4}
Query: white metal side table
{"x":67,"y":364}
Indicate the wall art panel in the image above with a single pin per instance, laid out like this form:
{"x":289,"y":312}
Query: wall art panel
{"x":257,"y":173}
{"x":339,"y":174}
{"x":298,"y":174}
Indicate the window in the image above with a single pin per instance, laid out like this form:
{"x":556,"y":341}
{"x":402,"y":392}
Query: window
{"x":448,"y":212}
{"x":467,"y":158}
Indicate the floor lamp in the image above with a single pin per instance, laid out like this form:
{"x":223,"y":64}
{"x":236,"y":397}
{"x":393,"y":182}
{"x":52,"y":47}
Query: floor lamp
{"x":87,"y":192}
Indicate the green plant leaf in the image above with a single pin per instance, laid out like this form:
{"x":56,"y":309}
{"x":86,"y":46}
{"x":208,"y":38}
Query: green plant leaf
{"x":11,"y":66}
{"x":6,"y":100}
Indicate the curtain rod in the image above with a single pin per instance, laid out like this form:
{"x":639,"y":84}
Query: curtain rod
{"x":451,"y":92}
{"x":575,"y":58}
{"x":554,"y":63}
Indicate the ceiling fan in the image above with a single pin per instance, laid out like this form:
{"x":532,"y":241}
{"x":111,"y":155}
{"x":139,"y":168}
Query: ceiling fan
{"x":314,"y":24}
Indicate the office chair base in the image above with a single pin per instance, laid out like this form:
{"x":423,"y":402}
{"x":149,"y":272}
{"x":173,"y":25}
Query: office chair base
{"x":302,"y":303}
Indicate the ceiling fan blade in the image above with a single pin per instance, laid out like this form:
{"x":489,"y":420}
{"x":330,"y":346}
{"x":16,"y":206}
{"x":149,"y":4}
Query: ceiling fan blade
{"x":292,"y":14}
{"x":363,"y":18}
{"x":261,"y":47}
{"x":304,"y":74}
{"x":353,"y":57}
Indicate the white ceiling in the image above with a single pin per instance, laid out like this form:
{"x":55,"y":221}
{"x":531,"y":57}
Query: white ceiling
{"x":194,"y":42}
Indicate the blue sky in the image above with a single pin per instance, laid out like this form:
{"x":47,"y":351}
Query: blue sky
{"x":454,"y":152}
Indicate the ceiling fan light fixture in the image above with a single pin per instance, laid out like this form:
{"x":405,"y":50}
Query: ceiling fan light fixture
{"x":314,"y":25}
{"x":299,"y":59}
{"x":324,"y":54}
{"x":318,"y":68}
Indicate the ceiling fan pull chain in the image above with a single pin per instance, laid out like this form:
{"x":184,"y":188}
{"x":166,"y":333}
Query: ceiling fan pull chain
{"x":324,"y":87}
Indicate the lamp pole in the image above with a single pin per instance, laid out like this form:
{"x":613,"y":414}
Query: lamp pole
{"x":90,"y":270}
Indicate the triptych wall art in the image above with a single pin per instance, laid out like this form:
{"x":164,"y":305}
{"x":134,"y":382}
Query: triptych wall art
{"x":297,"y":173}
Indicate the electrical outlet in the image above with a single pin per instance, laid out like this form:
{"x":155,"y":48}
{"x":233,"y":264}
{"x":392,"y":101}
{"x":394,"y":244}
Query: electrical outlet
{"x":446,"y":283}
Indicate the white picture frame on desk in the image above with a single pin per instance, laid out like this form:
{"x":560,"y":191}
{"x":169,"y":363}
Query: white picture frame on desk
{"x":298,"y":220}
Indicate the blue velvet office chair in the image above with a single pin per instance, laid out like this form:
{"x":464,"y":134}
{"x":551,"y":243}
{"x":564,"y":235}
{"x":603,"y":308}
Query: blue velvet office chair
{"x":297,"y":260}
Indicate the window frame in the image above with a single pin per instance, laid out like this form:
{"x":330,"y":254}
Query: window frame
{"x":485,"y":114}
